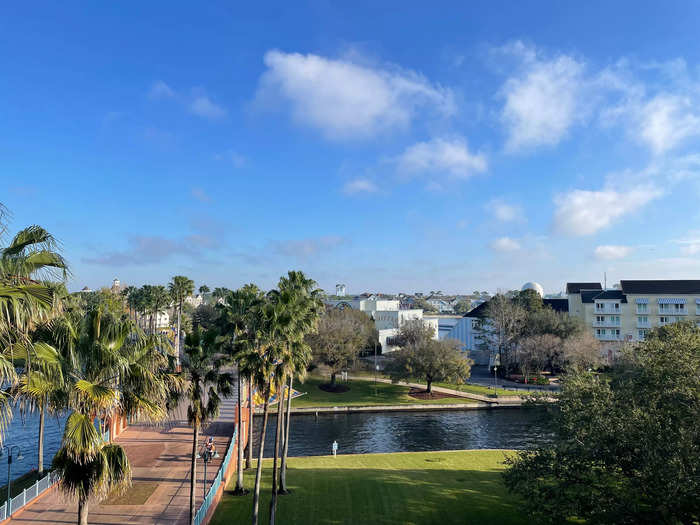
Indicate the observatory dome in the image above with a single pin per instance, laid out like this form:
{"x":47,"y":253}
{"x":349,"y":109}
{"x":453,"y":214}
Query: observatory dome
{"x":533,"y":286}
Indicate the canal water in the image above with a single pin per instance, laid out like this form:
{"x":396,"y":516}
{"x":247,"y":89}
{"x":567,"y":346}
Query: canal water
{"x":24,"y":432}
{"x":362,"y":433}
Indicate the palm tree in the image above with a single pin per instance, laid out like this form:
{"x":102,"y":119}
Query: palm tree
{"x":114,"y":368}
{"x":203,"y":289}
{"x":220,"y":293}
{"x":206,"y":384}
{"x":180,"y":288}
{"x":126,"y":294}
{"x":88,"y":466}
{"x":236,"y":324}
{"x":159,"y":301}
{"x":306,"y":313}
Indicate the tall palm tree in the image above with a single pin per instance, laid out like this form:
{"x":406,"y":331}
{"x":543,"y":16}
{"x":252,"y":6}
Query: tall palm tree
{"x":180,"y":288}
{"x":306,"y":310}
{"x":159,"y":300}
{"x":236,"y":325}
{"x":126,"y":294}
{"x":206,"y":384}
{"x":220,"y":292}
{"x":203,"y":289}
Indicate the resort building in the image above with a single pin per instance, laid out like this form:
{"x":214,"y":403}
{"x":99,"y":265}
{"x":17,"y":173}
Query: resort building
{"x":627,"y":313}
{"x":388,"y":316}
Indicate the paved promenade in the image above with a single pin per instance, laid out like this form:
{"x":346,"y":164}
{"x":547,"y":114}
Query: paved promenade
{"x":156,"y":455}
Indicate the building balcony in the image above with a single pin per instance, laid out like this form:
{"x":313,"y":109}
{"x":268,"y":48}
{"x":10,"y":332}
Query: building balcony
{"x":606,"y":324}
{"x":643,"y":325}
{"x":673,"y":312}
{"x":614,"y":311}
{"x":609,"y":337}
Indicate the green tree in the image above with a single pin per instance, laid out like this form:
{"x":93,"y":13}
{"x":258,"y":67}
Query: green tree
{"x":463,"y":306}
{"x":159,"y":299}
{"x":339,"y":338}
{"x":180,"y":288}
{"x":203,"y":289}
{"x":206,"y":384}
{"x":625,"y":449}
{"x":430,"y":360}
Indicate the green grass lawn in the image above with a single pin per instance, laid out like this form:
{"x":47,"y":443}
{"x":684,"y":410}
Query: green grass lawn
{"x":361,"y":393}
{"x":18,"y":485}
{"x":483,"y":390}
{"x":421,"y":488}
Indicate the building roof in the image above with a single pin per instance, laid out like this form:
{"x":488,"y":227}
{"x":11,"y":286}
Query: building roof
{"x":478,"y":312}
{"x":589,"y":296}
{"x":676,"y":287}
{"x":558,"y":305}
{"x":578,"y":287}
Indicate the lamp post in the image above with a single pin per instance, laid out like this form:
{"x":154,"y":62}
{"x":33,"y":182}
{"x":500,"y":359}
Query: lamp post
{"x":9,"y":449}
{"x":375,"y":361}
{"x":494,"y":378}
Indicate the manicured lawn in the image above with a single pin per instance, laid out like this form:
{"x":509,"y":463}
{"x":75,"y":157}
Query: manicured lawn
{"x":421,"y":488}
{"x":137,"y":494}
{"x":483,"y":390}
{"x":361,"y":393}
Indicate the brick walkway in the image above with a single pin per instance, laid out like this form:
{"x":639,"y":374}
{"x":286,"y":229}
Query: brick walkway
{"x":156,"y":455}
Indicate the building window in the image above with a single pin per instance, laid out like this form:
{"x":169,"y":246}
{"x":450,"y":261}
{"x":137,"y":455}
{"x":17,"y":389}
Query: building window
{"x":615,"y":319}
{"x":643,"y":319}
{"x":664,"y":320}
{"x":617,"y":306}
{"x":599,"y":318}
{"x":642,"y":334}
{"x":599,"y":306}
{"x":642,"y":308}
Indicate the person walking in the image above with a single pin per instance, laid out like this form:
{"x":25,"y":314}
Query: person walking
{"x":335,"y":448}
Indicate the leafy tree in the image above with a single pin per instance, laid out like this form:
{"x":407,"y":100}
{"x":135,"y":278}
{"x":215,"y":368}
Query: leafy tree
{"x":339,"y":338}
{"x":159,"y":299}
{"x":501,"y":329}
{"x":180,"y":288}
{"x":203,"y":289}
{"x":462,"y":306}
{"x":535,"y":351}
{"x":430,"y":360}
{"x":420,"y":302}
{"x":414,"y":333}
{"x":625,"y":450}
{"x":530,"y":300}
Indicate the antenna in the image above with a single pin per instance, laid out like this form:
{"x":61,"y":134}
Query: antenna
{"x":605,"y":280}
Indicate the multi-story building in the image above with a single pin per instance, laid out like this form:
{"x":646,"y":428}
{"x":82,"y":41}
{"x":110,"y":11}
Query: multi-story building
{"x":628,"y":313}
{"x":388,"y":316}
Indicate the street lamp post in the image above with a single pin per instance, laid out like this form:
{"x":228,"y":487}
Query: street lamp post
{"x":494,"y":378}
{"x":375,"y":361}
{"x":9,"y":449}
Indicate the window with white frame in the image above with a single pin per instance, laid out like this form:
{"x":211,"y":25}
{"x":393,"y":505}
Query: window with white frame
{"x":642,"y":308}
{"x":642,"y":334}
{"x":600,"y":319}
{"x":600,"y":307}
{"x":615,"y":319}
{"x":643,"y":319}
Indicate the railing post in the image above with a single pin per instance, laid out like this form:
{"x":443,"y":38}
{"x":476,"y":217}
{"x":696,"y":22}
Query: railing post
{"x":24,"y":497}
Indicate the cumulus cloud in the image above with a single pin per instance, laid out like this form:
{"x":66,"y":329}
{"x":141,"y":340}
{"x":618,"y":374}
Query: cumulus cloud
{"x":355,"y":186}
{"x":202,"y":106}
{"x":584,"y":212}
{"x":610,"y":251}
{"x":503,"y":211}
{"x":691,"y":244}
{"x":345,"y":99}
{"x":441,"y":156}
{"x":143,"y":249}
{"x":543,"y":100}
{"x":505,"y":245}
{"x":666,"y":120}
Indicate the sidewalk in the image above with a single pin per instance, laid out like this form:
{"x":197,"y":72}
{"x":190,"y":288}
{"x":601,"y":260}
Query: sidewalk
{"x":156,"y":455}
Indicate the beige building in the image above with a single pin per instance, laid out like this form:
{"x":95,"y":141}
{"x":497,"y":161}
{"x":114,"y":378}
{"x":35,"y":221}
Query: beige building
{"x":628,"y":313}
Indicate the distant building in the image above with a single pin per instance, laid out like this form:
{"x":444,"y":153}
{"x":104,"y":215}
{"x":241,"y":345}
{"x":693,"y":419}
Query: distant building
{"x":388,"y":315}
{"x":194,"y":300}
{"x":340,"y":290}
{"x":116,"y":286}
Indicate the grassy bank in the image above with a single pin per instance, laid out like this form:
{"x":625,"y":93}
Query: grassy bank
{"x":422,"y":488}
{"x":361,"y":393}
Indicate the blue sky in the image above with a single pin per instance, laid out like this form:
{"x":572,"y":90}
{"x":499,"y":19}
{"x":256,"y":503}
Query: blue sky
{"x":393,"y":147}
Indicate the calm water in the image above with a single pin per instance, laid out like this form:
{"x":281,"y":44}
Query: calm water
{"x":411,"y":431}
{"x":24,"y":431}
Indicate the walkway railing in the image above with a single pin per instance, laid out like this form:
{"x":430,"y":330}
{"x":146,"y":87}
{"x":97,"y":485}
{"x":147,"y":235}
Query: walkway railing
{"x":218,"y":480}
{"x":28,"y":495}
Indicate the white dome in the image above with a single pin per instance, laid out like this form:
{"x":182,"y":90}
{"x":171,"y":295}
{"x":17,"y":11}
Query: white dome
{"x":533,"y":286}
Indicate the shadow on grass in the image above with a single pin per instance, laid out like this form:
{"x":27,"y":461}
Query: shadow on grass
{"x":383,"y":496}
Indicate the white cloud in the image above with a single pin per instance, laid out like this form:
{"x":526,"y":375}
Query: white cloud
{"x":306,"y":248}
{"x":504,"y":212}
{"x":161,"y":90}
{"x":610,"y":251}
{"x":665,"y":121}
{"x":583,"y":212}
{"x":543,"y":100}
{"x":356,"y":186}
{"x":505,"y":245}
{"x":690,"y":245}
{"x":345,"y":99}
{"x":233,"y":157}
{"x":449,"y":156}
{"x":202,"y":106}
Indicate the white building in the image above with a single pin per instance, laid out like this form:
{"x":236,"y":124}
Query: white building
{"x":340,"y":290}
{"x":194,"y":300}
{"x":387,"y":314}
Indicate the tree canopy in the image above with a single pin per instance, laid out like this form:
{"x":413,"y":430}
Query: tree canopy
{"x":626,"y":449}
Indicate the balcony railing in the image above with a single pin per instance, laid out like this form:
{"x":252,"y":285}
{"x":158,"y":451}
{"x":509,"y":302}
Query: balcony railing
{"x":609,"y":337}
{"x":673,"y":312}
{"x":606,"y":323}
{"x":608,"y":310}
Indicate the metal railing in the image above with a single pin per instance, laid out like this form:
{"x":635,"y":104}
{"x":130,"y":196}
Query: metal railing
{"x":218,"y":480}
{"x":27,"y":495}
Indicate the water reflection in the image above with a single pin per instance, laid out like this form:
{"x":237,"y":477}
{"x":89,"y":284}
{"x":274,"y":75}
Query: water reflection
{"x":412,"y":431}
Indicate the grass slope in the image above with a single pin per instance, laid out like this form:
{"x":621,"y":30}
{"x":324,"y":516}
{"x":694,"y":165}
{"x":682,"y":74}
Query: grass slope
{"x":361,"y":393}
{"x":421,"y":488}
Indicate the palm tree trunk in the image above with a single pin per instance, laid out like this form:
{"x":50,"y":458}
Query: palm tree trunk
{"x":239,"y":490}
{"x":177,"y":336}
{"x":249,"y":456}
{"x":261,"y":451}
{"x":193,"y":472}
{"x":285,"y":447}
{"x":278,"y":433}
{"x":40,"y":464}
{"x":82,"y":512}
